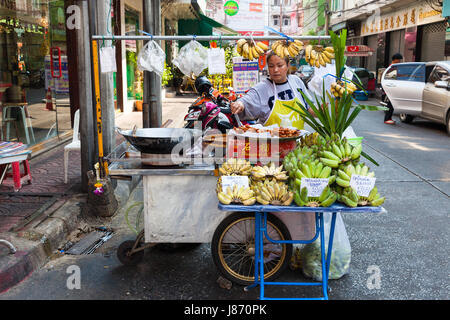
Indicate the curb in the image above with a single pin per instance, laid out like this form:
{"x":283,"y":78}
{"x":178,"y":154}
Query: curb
{"x":35,"y":246}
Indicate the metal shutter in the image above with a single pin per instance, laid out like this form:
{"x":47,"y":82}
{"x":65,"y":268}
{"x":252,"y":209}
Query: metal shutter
{"x":396,"y":43}
{"x":372,"y":42}
{"x":433,"y":42}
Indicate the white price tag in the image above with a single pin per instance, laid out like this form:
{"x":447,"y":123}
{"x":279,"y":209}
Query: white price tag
{"x":314,"y":186}
{"x":231,"y":181}
{"x":362,"y":184}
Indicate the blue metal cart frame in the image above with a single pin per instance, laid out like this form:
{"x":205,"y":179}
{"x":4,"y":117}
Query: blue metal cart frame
{"x":261,"y":231}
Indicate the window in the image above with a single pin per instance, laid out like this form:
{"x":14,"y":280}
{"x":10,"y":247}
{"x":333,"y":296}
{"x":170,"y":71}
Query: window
{"x":275,"y":2}
{"x":439,"y":74}
{"x":406,"y":72}
{"x":276,"y":20}
{"x":286,"y":21}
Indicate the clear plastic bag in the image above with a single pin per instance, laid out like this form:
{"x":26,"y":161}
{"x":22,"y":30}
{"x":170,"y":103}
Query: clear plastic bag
{"x":151,"y":58}
{"x":324,"y":75}
{"x":192,"y":58}
{"x":310,"y":255}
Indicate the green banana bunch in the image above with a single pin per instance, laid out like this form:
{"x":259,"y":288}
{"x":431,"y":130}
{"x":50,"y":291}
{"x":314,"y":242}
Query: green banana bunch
{"x":351,"y":198}
{"x":313,"y":169}
{"x":326,"y":198}
{"x":337,"y":152}
{"x":312,"y":139}
{"x":348,"y":195}
{"x":345,"y":174}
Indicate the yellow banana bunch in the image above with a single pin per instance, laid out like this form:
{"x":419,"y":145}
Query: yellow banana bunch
{"x":338,"y":88}
{"x":269,"y":171}
{"x":251,"y":49}
{"x":238,"y":195}
{"x":317,"y":55}
{"x":284,"y":48}
{"x":273,"y":192}
{"x":235,"y":167}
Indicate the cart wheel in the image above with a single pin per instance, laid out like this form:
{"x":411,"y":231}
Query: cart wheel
{"x":125,"y":256}
{"x":233,"y":248}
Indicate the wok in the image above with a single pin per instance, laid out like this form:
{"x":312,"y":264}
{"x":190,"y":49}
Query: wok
{"x":160,"y":140}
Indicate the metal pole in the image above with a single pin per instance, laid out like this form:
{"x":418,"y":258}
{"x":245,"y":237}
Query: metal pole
{"x":84,"y":67}
{"x":207,"y":38}
{"x":148,"y":27}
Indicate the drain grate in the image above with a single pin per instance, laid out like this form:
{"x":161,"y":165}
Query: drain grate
{"x":89,"y":243}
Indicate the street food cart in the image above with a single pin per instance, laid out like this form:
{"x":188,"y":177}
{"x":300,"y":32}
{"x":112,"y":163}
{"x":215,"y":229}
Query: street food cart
{"x":181,"y":194}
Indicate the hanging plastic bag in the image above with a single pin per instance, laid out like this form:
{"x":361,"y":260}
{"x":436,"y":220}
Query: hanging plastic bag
{"x":310,"y":255}
{"x":151,"y":58}
{"x":192,"y":58}
{"x":108,"y":59}
{"x":325,"y":75}
{"x":216,"y":61}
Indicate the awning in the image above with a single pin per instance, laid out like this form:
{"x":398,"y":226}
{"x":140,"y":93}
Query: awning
{"x":218,"y":28}
{"x":358,"y":51}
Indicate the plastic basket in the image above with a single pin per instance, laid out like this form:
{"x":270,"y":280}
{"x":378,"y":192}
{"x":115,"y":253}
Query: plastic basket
{"x":360,"y":95}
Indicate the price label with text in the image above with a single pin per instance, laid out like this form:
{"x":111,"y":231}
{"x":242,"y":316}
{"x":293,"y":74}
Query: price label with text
{"x":314,"y":186}
{"x":231,"y":181}
{"x":362,"y":184}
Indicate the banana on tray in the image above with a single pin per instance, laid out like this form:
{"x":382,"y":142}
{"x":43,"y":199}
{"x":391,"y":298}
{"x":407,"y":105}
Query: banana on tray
{"x":237,"y":195}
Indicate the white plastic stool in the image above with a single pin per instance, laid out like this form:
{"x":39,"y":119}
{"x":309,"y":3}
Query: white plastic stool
{"x":74,"y":145}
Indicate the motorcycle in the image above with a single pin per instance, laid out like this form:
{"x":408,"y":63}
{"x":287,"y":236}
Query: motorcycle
{"x":212,"y":108}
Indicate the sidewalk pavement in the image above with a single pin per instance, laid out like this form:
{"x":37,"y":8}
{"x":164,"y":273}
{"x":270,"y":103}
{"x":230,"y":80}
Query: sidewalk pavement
{"x":37,"y":219}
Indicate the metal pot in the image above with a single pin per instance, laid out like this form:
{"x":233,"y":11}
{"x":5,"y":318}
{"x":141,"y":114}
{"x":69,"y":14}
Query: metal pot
{"x":160,"y":140}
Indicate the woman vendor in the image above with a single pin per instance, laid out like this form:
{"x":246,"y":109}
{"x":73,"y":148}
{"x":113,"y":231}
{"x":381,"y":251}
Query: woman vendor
{"x":263,"y":104}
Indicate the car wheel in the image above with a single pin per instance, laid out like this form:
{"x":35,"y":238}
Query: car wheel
{"x":406,"y":118}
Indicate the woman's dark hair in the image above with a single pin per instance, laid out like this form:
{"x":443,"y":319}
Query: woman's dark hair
{"x":271,"y":53}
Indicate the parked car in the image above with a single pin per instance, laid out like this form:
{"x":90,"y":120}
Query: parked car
{"x":419,"y":89}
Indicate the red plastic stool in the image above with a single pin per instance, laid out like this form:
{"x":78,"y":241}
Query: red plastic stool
{"x":18,"y":178}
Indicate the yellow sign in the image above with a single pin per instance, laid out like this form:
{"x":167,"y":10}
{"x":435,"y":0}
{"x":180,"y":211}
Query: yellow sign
{"x":405,"y":18}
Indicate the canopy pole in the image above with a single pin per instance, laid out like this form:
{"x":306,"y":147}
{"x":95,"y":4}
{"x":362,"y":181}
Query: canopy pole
{"x":206,"y":38}
{"x":98,"y":108}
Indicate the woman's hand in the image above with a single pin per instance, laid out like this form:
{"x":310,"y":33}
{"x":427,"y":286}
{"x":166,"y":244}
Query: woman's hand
{"x":237,"y":107}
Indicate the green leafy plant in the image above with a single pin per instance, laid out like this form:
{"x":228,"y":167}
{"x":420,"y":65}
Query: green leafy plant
{"x":333,"y":114}
{"x":167,"y":75}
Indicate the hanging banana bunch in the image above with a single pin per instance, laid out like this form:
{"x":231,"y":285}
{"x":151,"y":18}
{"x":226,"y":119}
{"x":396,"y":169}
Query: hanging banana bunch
{"x":249,"y":49}
{"x":286,"y":48}
{"x":317,"y":55}
{"x":338,"y":88}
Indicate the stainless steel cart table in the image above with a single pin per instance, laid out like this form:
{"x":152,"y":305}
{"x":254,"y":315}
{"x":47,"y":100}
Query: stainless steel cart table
{"x":261,"y":232}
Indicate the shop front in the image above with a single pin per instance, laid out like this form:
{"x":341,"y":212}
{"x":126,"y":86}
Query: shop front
{"x":416,"y":31}
{"x":34,"y":78}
